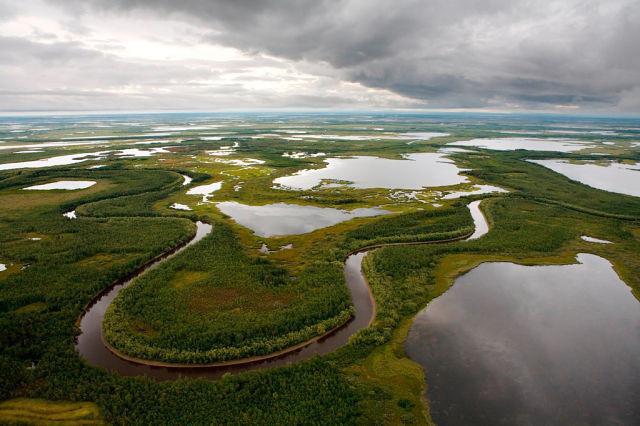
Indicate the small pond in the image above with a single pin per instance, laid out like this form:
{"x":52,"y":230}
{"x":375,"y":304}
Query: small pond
{"x":289,"y":219}
{"x":186,"y":180}
{"x":178,"y":206}
{"x":594,"y":240}
{"x":68,"y":185}
{"x":205,"y":190}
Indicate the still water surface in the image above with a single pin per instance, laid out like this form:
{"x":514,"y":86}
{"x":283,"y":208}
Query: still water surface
{"x":513,"y":344}
{"x":289,"y":219}
{"x":68,"y":185}
{"x":613,"y":177}
{"x":414,"y":171}
{"x":530,"y":144}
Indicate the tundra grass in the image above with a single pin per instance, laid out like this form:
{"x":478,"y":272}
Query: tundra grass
{"x":370,"y":380}
{"x":41,"y":412}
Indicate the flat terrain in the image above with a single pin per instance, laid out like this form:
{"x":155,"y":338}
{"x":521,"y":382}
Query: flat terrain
{"x":235,"y":294}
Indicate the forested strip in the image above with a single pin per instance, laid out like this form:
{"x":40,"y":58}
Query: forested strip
{"x":419,"y":226}
{"x":214,"y":303}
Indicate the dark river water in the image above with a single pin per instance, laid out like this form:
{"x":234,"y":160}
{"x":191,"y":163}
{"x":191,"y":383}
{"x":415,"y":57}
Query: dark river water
{"x":543,"y":345}
{"x":91,"y":347}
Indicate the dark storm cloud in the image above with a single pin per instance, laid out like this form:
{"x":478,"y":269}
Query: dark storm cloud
{"x":71,"y":75}
{"x":447,"y":53}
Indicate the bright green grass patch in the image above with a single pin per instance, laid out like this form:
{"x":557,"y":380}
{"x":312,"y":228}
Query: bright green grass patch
{"x":31,"y":308}
{"x":42,"y":412}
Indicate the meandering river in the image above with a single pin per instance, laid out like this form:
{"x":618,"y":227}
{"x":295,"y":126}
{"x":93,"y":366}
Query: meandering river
{"x":95,"y":351}
{"x":92,"y":348}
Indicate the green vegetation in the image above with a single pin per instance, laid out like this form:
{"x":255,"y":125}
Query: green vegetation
{"x":395,"y":384}
{"x":40,"y":412}
{"x":215,"y":303}
{"x":532,"y":181}
{"x":418,"y":226}
{"x":221,"y":299}
{"x":405,"y":278}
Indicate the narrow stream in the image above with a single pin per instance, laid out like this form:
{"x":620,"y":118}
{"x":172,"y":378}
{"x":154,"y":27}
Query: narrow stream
{"x":479,"y":221}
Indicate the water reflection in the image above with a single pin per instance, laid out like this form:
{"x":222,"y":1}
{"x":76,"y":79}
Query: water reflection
{"x":512,"y":344}
{"x":415,"y":171}
{"x":205,"y":190}
{"x":65,"y":160}
{"x":530,"y":144}
{"x":476,"y":190}
{"x":613,"y":177}
{"x":480,"y":223}
{"x":594,"y":240}
{"x":288,"y":219}
{"x":68,"y":185}
{"x":186,"y":180}
{"x":178,"y":206}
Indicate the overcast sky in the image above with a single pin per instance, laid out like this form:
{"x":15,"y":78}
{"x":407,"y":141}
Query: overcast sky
{"x":546,"y":55}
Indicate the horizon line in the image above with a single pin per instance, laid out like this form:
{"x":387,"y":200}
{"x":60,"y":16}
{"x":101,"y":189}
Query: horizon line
{"x":311,"y":111}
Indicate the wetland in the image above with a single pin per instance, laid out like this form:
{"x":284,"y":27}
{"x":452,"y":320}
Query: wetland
{"x":333,"y":268}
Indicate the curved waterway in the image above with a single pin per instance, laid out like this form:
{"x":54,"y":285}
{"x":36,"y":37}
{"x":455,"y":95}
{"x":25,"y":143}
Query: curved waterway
{"x":96,"y":352}
{"x":92,"y":348}
{"x":480,"y":223}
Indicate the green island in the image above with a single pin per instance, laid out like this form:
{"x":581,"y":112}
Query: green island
{"x":263,"y":281}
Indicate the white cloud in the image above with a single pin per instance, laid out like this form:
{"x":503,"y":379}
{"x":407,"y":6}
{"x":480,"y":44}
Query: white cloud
{"x":219,"y":54}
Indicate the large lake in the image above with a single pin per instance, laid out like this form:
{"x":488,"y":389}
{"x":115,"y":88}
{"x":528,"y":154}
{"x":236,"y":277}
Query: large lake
{"x":414,"y":171}
{"x":613,"y":177}
{"x":533,"y":345}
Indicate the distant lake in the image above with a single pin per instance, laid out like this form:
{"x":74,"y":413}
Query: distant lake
{"x":414,"y":171}
{"x":512,"y":344}
{"x":289,"y":219}
{"x":530,"y":144}
{"x":613,"y":177}
{"x":65,"y":160}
